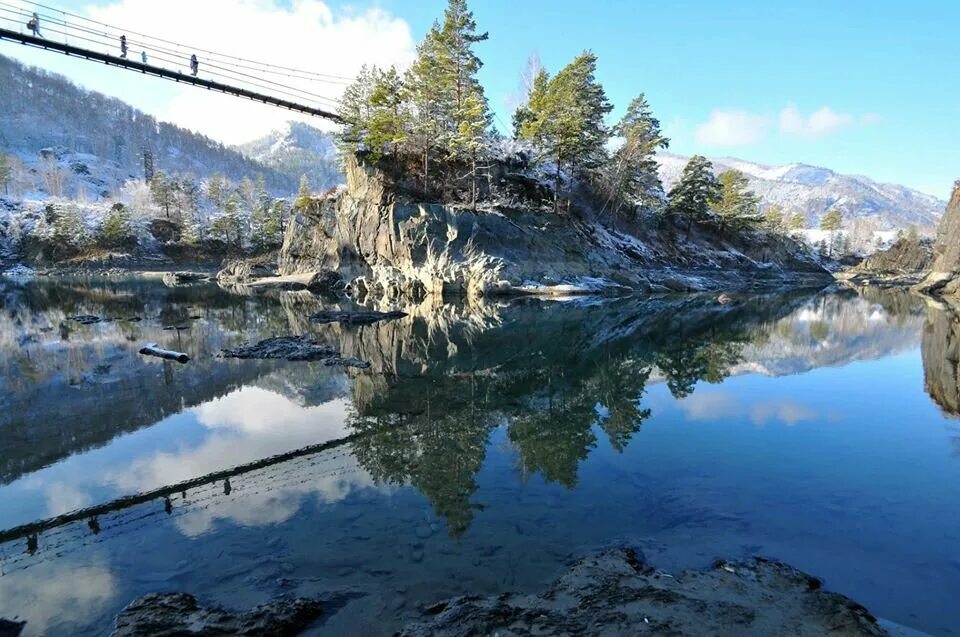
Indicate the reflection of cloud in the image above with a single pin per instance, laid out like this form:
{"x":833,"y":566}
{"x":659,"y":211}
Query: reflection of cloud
{"x":244,"y":426}
{"x":63,"y":497}
{"x":715,"y":405}
{"x":787,"y":411}
{"x":709,"y":405}
{"x":252,"y":505}
{"x":56,"y":595}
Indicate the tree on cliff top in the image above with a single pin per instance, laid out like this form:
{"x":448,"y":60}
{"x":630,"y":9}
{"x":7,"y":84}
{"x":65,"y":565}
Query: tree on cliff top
{"x":5,"y":172}
{"x":631,"y":178}
{"x":691,"y":196}
{"x":566,"y":119}
{"x":737,"y":206}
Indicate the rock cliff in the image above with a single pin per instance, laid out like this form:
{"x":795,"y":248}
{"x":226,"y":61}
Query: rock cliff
{"x":384,"y":244}
{"x":906,"y":262}
{"x":944,"y":277}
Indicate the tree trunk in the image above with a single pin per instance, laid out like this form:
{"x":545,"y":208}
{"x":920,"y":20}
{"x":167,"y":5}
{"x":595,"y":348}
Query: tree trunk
{"x":151,"y":349}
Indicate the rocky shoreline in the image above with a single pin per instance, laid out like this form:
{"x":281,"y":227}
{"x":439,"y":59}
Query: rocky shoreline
{"x":613,"y":592}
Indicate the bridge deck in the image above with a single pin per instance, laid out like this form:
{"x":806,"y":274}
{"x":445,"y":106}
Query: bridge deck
{"x":176,"y":76}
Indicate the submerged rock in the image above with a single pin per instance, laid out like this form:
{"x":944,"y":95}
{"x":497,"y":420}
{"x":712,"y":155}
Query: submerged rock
{"x":291,"y":348}
{"x":355,"y":317}
{"x":243,"y":270}
{"x":87,"y":319}
{"x":173,"y":279}
{"x":616,"y":593}
{"x":159,"y":614}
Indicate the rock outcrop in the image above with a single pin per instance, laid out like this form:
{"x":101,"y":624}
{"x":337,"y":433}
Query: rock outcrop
{"x":181,"y":614}
{"x":906,"y":262}
{"x":616,"y":593}
{"x":944,"y":277}
{"x":383,"y":244}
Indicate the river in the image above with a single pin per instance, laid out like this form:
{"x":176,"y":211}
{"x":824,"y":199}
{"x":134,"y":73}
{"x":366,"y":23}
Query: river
{"x":486,"y":448}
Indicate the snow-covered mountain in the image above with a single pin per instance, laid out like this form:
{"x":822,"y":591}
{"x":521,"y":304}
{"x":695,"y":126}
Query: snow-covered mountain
{"x":298,"y":149}
{"x":813,"y":190}
{"x":99,"y":142}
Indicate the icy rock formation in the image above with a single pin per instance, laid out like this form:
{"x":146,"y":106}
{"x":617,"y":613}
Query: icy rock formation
{"x":385,"y":246}
{"x":944,"y":278}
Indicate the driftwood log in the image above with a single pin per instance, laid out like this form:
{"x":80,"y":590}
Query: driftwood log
{"x":151,"y":349}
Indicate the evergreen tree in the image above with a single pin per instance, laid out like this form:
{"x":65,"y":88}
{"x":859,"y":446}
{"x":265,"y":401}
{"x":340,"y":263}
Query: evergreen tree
{"x":632,"y":175}
{"x":831,"y":222}
{"x":774,"y":219}
{"x":798,"y":221}
{"x":162,"y":192}
{"x":424,"y":82}
{"x":69,"y":232}
{"x":217,"y":191}
{"x":735,"y":204}
{"x":567,"y":119}
{"x":691,"y":196}
{"x":303,"y":196}
{"x":386,"y":128}
{"x":6,"y":171}
{"x":115,"y":230}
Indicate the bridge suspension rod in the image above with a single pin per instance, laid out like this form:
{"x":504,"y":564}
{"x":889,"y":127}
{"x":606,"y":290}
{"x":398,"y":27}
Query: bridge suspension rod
{"x":156,"y":71}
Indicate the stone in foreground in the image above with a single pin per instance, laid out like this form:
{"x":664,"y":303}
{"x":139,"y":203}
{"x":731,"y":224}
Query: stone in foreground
{"x":168,"y":614}
{"x":615,"y":593}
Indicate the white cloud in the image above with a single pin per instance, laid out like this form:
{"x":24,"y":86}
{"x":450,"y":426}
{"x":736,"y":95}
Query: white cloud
{"x":307,"y":35}
{"x":732,"y":128}
{"x":823,"y":121}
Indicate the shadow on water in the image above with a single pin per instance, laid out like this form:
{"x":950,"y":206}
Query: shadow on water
{"x":553,"y":381}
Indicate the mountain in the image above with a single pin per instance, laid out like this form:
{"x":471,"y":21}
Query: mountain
{"x":98,"y":142}
{"x":298,"y":149}
{"x":813,"y":190}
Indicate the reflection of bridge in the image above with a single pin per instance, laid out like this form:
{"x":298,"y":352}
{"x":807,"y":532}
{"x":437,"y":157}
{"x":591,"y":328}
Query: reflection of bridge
{"x":76,"y":36}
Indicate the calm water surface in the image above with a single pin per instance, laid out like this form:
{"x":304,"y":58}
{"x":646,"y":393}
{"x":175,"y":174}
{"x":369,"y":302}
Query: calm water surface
{"x":485,"y":449}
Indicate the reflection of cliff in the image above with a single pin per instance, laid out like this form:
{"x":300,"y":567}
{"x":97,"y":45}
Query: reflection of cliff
{"x":555,"y":375}
{"x":66,"y":387}
{"x":836,"y":329}
{"x":941,"y":356}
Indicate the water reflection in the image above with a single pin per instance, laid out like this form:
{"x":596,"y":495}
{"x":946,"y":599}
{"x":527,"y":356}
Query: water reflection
{"x":535,"y":392}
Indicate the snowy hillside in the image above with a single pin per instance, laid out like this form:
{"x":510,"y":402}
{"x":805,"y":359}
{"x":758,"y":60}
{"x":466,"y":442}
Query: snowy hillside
{"x":813,"y":190}
{"x":298,"y":149}
{"x":96,"y":143}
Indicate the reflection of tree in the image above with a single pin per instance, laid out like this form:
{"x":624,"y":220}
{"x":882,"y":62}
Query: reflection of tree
{"x":438,"y":454}
{"x":620,"y":385}
{"x":685,"y":363}
{"x":554,"y":440}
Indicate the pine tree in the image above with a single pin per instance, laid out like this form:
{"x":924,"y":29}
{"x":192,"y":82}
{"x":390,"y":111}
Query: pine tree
{"x":831,"y":222}
{"x":162,"y":192}
{"x":303,"y":196}
{"x":387,"y":120}
{"x":774,"y":219}
{"x":115,"y":230}
{"x":735,"y":204}
{"x":424,"y":83}
{"x":69,"y":232}
{"x":354,"y":109}
{"x":6,"y":171}
{"x":217,"y":191}
{"x":798,"y":221}
{"x":567,"y":119}
{"x":691,"y":196}
{"x":632,"y":174}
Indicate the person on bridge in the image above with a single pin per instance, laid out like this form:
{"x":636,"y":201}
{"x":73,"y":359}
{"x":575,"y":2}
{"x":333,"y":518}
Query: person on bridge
{"x":34,"y":25}
{"x":123,"y":46}
{"x":194,"y":65}
{"x":143,"y":56}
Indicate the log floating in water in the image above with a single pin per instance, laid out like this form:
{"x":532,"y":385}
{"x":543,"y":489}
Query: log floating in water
{"x":151,"y":349}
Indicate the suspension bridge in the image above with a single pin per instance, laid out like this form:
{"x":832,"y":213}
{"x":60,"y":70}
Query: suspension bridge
{"x":77,"y":36}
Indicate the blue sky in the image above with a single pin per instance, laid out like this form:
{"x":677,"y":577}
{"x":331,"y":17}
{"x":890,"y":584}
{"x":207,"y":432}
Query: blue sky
{"x":859,"y":87}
